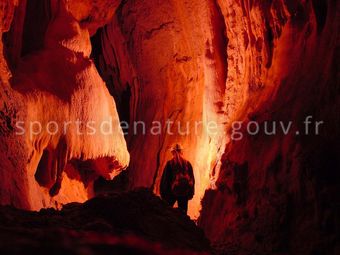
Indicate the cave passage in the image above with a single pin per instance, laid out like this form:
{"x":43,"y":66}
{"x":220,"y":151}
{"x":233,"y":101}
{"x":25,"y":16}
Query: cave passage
{"x":113,"y":110}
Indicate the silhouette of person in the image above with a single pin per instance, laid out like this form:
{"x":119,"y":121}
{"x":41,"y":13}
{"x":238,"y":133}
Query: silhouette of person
{"x":178,"y":182}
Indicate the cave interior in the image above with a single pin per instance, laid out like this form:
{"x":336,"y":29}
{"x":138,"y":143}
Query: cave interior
{"x":94,"y":94}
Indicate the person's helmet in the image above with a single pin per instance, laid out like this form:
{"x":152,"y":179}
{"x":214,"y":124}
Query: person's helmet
{"x":177,"y":148}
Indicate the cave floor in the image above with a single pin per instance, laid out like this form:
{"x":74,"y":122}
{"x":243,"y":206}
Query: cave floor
{"x":135,"y":222}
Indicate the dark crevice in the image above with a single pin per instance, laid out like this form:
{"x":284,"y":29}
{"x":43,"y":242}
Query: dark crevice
{"x":27,"y":31}
{"x":150,"y":33}
{"x":38,"y":16}
{"x":320,"y":9}
{"x":269,"y":43}
{"x":220,"y":43}
{"x":43,"y":173}
{"x":111,"y":75}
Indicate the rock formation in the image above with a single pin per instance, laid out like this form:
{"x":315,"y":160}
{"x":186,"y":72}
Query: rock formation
{"x":171,"y":59}
{"x":63,"y":104}
{"x":137,"y":222}
{"x":277,"y":193}
{"x":203,"y":73}
{"x":230,"y":61}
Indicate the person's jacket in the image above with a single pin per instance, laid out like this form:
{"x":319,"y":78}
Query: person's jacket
{"x":169,"y":175}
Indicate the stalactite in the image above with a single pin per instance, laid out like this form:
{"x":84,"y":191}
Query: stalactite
{"x":59,"y":84}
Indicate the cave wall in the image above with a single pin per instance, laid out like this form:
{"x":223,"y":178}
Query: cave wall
{"x":232,"y":61}
{"x":277,"y":194}
{"x":50,"y":79}
{"x":12,"y":151}
{"x":170,"y":57}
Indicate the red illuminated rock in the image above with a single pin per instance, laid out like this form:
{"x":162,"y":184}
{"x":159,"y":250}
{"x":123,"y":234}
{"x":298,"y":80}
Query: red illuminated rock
{"x":58,"y":87}
{"x":170,"y":59}
{"x":232,"y":61}
{"x":186,"y":62}
{"x":276,"y":193}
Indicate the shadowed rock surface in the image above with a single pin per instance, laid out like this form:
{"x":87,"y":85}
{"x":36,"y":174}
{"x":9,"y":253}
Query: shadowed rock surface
{"x":135,"y":222}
